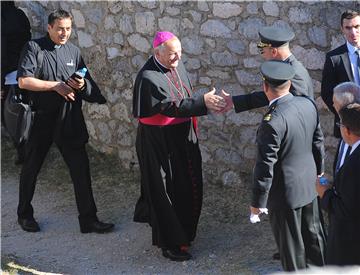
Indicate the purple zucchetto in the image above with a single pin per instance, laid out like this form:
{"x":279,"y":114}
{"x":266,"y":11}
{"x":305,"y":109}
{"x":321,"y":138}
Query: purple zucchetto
{"x":161,"y":37}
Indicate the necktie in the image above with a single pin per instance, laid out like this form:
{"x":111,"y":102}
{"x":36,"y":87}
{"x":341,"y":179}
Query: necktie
{"x":357,"y":69}
{"x":341,"y":151}
{"x":342,"y":154}
{"x":347,"y":153}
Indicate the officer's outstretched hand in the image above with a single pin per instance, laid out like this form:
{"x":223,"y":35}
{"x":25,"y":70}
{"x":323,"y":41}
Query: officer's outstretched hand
{"x":65,"y":91}
{"x":228,"y":99}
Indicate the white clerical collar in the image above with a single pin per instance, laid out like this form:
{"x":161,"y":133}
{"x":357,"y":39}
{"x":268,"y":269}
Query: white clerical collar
{"x":351,"y":48}
{"x":272,"y":101}
{"x":353,"y":147}
{"x":157,"y":60}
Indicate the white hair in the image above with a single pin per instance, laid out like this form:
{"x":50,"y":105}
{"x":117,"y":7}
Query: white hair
{"x":346,"y":93}
{"x":159,"y":48}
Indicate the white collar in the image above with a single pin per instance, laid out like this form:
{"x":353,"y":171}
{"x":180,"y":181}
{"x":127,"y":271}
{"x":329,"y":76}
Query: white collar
{"x":272,"y":101}
{"x":354,"y":146}
{"x":351,"y":48}
{"x":157,"y":60}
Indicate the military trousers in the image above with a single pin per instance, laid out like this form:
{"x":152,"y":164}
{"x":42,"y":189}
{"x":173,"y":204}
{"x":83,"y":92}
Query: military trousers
{"x":299,"y":235}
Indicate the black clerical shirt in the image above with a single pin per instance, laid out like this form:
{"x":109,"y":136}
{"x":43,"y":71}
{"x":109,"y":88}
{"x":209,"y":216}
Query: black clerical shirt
{"x":59,"y":63}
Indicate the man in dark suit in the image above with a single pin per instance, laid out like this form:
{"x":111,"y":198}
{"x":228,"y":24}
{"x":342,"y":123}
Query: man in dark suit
{"x":274,"y":45}
{"x":290,"y":156}
{"x":344,"y":94}
{"x":342,"y":199}
{"x":342,"y":64}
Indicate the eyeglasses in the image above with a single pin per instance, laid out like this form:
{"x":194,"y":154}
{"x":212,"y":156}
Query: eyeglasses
{"x":339,"y":124}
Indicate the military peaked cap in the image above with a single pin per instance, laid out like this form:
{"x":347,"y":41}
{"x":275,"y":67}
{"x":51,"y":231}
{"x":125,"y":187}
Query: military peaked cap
{"x":274,"y":37}
{"x":276,"y":72}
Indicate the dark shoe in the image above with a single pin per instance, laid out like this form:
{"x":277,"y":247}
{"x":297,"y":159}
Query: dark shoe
{"x":276,"y":256}
{"x":29,"y":225}
{"x":176,"y":254}
{"x":96,"y":226}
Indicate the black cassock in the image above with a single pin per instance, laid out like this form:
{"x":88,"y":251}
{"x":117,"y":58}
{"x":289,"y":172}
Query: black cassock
{"x":168,"y":154}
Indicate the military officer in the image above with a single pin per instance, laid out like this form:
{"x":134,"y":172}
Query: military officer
{"x":274,"y":45}
{"x":290,"y":156}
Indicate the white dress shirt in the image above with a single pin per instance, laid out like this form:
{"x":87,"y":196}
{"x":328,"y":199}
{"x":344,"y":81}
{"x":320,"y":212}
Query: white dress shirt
{"x":353,"y":60}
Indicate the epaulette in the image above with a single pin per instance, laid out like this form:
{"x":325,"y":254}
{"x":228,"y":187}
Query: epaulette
{"x":268,"y":115}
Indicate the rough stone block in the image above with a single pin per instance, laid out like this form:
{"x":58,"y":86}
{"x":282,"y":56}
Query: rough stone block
{"x":138,"y":42}
{"x":215,"y":28}
{"x":145,"y":22}
{"x":226,"y":10}
{"x":271,"y":8}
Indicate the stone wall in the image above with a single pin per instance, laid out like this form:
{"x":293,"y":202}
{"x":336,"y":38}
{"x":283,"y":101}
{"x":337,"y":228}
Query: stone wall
{"x":219,"y":49}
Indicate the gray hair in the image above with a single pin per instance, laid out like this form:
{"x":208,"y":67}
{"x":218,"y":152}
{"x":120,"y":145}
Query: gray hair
{"x":347,"y":93}
{"x":159,"y":48}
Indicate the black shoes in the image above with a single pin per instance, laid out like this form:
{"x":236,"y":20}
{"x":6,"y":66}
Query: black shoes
{"x":29,"y":225}
{"x":175,"y":254}
{"x":276,"y":256}
{"x":96,"y":226}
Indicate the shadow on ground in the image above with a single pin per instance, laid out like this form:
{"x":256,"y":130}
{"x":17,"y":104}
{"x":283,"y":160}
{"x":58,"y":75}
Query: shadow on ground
{"x":226,"y":242}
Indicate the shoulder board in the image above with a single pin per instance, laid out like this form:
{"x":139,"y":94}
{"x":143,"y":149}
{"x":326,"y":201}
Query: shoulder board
{"x":268,"y":115}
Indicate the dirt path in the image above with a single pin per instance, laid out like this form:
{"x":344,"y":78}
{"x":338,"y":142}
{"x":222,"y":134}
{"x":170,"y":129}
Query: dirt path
{"x":226,"y":242}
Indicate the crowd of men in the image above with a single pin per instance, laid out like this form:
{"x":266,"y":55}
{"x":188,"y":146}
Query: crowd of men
{"x":288,"y":177}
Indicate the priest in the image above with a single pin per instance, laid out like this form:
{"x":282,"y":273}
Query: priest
{"x":167,"y":147}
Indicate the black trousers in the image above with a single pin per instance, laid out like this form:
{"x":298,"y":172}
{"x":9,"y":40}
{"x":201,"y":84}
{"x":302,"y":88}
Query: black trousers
{"x":76,"y":159}
{"x":299,"y":235}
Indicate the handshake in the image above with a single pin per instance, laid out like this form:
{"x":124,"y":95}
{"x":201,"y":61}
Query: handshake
{"x":218,"y":103}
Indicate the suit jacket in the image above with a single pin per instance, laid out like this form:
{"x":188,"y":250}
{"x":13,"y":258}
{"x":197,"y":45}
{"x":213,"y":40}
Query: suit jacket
{"x":337,"y":69}
{"x":301,"y":84}
{"x":343,"y":204}
{"x":290,"y":154}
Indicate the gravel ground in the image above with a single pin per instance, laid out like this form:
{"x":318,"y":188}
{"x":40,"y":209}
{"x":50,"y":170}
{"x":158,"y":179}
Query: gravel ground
{"x":226,"y":242}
